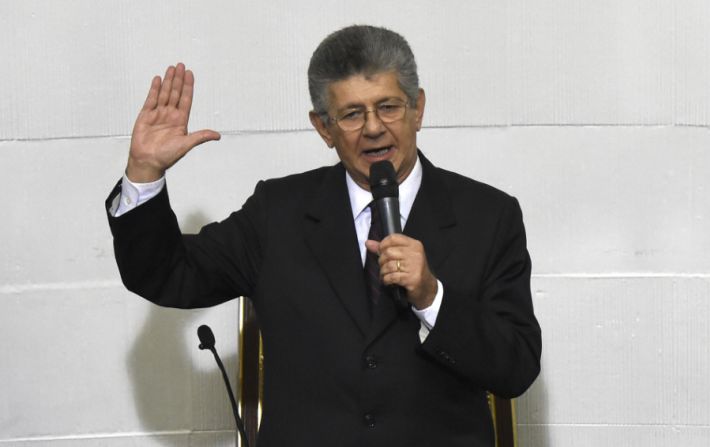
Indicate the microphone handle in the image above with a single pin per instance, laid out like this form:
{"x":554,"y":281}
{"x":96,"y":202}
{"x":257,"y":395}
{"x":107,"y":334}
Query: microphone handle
{"x":388,"y":208}
{"x":389,"y":214}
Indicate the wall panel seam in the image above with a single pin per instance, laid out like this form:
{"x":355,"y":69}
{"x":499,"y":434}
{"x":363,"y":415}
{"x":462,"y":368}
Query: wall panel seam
{"x":8,"y":289}
{"x":250,"y":132}
{"x":11,"y":289}
{"x":624,"y":275}
{"x":117,"y":435}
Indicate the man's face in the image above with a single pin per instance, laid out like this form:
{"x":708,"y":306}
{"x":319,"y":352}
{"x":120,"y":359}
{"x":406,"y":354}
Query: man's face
{"x":376,"y":141}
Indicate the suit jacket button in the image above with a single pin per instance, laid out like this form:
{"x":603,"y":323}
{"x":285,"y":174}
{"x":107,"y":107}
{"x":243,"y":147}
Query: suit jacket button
{"x":369,"y":420}
{"x":371,"y":362}
{"x":445,"y":355}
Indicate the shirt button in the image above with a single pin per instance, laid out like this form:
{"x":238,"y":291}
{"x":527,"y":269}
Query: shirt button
{"x":127,"y":200}
{"x":371,"y":362}
{"x":369,"y":420}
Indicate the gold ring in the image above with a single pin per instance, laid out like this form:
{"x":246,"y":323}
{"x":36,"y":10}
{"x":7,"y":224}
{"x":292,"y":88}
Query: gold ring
{"x":399,"y":266}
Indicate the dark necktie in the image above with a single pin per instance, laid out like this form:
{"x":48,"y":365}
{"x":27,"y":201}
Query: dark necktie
{"x":375,"y":288}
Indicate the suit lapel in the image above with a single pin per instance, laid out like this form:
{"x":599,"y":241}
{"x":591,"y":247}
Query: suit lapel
{"x":431,"y":216}
{"x":330,"y":235}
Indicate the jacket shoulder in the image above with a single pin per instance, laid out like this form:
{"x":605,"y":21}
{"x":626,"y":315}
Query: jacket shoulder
{"x":300,"y":182}
{"x":465,"y":188}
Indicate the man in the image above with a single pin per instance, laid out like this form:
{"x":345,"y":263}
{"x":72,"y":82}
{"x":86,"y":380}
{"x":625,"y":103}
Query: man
{"x":344,"y":366}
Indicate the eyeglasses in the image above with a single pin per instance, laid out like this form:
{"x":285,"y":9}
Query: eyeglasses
{"x":388,"y":112}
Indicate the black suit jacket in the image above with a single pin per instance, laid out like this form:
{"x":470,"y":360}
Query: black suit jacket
{"x":334,"y":376}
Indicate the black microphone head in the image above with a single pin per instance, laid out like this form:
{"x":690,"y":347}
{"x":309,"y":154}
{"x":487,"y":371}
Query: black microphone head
{"x":206,"y":337}
{"x":383,"y":180}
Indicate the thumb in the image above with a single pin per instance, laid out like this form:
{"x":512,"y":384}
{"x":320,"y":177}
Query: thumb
{"x":202,"y":136}
{"x":373,"y":246}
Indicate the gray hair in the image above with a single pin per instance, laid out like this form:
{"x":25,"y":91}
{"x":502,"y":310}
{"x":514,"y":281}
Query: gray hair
{"x":360,"y":49}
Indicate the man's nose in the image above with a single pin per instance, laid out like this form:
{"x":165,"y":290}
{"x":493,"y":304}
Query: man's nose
{"x":373,"y":124}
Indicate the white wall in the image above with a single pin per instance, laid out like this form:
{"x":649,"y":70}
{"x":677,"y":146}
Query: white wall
{"x":594,"y":113}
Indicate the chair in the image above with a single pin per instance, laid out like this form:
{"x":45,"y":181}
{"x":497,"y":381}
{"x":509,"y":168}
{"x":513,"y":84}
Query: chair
{"x":251,"y":385}
{"x":504,"y":423}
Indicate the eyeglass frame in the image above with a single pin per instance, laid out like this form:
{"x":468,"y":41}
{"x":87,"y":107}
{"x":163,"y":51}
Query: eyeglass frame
{"x":404,"y":103}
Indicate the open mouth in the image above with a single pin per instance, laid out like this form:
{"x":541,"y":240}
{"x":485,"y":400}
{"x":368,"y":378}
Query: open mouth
{"x":377,"y":152}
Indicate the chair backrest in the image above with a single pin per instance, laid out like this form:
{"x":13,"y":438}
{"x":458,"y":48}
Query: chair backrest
{"x":504,"y":423}
{"x":251,"y":385}
{"x":251,"y":371}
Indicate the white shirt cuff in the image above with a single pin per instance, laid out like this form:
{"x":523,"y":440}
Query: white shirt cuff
{"x":427,"y":316}
{"x":135,"y":194}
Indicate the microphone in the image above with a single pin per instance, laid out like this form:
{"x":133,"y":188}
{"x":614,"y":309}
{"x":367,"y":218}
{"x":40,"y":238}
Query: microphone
{"x":206,"y":337}
{"x":207,"y":341}
{"x":385,"y":191}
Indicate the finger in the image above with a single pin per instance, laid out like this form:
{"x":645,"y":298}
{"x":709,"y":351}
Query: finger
{"x":391,"y":267}
{"x":194,"y":139}
{"x":176,"y":89}
{"x":391,"y":253}
{"x":397,"y":239}
{"x":372,"y":246}
{"x":164,"y":94}
{"x":202,"y":136}
{"x":403,"y":268}
{"x":151,"y":101}
{"x":185,"y":103}
{"x":394,"y":278}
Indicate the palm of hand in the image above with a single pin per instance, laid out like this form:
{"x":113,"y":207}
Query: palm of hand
{"x":159,"y":135}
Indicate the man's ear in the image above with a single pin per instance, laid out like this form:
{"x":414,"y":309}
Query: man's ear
{"x":321,"y":127}
{"x":421,"y":102}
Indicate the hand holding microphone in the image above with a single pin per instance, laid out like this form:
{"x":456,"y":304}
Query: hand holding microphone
{"x":402,"y":259}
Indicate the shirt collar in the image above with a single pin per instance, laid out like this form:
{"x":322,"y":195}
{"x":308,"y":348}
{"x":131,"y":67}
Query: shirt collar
{"x":360,"y":198}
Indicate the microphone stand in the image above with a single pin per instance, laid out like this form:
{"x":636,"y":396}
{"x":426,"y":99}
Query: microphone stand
{"x":207,"y":342}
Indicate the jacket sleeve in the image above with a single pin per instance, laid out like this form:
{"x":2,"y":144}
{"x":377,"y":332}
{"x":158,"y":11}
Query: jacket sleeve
{"x":170,"y":269}
{"x":491,"y":336}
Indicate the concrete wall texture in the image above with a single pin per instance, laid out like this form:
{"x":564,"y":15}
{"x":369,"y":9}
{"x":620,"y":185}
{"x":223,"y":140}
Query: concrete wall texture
{"x":593,"y":113}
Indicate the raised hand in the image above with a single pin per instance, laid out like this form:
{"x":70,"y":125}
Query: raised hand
{"x":160,"y":137}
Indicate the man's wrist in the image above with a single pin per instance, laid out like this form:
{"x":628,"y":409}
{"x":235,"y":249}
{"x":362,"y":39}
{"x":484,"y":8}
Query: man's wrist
{"x":429,"y":314}
{"x":139,"y":173}
{"x":429,"y":295}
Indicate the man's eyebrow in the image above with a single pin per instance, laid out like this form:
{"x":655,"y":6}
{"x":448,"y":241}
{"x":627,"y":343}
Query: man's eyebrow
{"x":352,"y":105}
{"x":360,"y":105}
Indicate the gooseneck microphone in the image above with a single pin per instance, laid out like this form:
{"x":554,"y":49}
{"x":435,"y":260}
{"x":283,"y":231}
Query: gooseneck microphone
{"x":207,"y":342}
{"x":206,"y":337}
{"x":385,"y":191}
